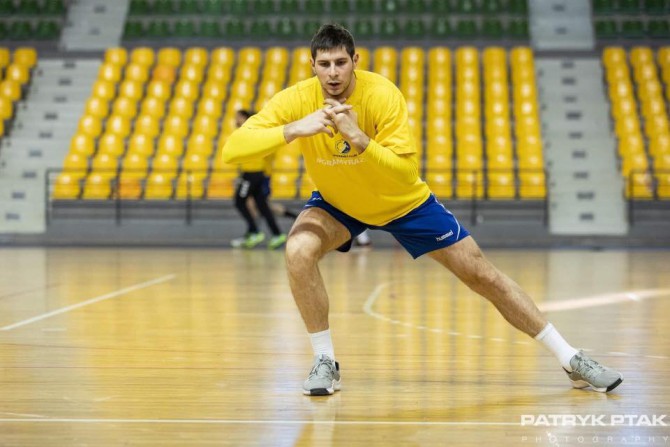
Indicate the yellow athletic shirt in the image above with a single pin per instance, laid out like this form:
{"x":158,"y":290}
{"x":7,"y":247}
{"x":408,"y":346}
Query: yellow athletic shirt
{"x":377,"y":186}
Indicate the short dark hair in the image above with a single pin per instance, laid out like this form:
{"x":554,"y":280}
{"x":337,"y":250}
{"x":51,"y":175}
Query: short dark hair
{"x":331,"y":36}
{"x":245,"y":113}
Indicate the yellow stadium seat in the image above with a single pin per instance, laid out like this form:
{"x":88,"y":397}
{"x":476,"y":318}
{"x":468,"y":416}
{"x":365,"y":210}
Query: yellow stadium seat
{"x":109,"y":73}
{"x":285,"y":161}
{"x":649,"y":89}
{"x":96,"y":107}
{"x":105,"y":164}
{"x":104,"y":90}
{"x":172,"y":145}
{"x":190,"y":185}
{"x":497,"y":125}
{"x":196,"y":56}
{"x":220,"y":186}
{"x":187,"y":89}
{"x":618,"y":73}
{"x":164,"y":73}
{"x":243,"y":89}
{"x":200,"y":143}
{"x":467,"y":56}
{"x":159,"y":186}
{"x":662,"y":162}
{"x":165,"y":163}
{"x":639,"y":185}
{"x":439,"y":57}
{"x":659,"y":144}
{"x":159,"y":89}
{"x":26,"y":56}
{"x":195,"y":163}
{"x":219,"y":73}
{"x":531,"y":161}
{"x":17,"y":73}
{"x":223,"y":56}
{"x":439,"y":143}
{"x":214,"y":90}
{"x":614,"y":56}
{"x":624,"y":107}
{"x":131,"y":89}
{"x":5,"y":57}
{"x":205,"y":124}
{"x":439,"y":161}
{"x":181,"y":106}
{"x":501,"y":185}
{"x":635,"y":162}
{"x":192,"y":72}
{"x":209,"y":106}
{"x":633,"y":143}
{"x":97,"y":187}
{"x":10,"y":89}
{"x":117,"y":56}
{"x":440,"y":183}
{"x":641,"y":55}
{"x":90,"y":125}
{"x":469,"y":160}
{"x":153,"y":106}
{"x":284,"y":185}
{"x":656,"y":125}
{"x":6,"y":108}
{"x":129,"y":187}
{"x":67,"y":186}
{"x":468,"y":126}
{"x":137,"y":73}
{"x":169,"y":56}
{"x":75,"y":161}
{"x":135,"y":165}
{"x":111,"y":144}
{"x":82,"y":144}
{"x":125,"y":107}
{"x":532,"y":185}
{"x":385,"y":55}
{"x":118,"y":124}
{"x":469,"y":184}
{"x":495,"y":56}
{"x":140,"y":144}
{"x":147,"y":125}
{"x":663,"y":185}
{"x":500,"y":160}
{"x":143,"y":56}
{"x":176,"y":125}
{"x":364,"y":58}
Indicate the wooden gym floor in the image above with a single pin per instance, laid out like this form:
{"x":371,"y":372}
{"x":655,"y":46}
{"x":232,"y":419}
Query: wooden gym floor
{"x":184,"y":347}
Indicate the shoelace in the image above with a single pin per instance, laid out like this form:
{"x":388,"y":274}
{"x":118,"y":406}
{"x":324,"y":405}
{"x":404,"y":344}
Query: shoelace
{"x":324,"y":368}
{"x":589,"y":368}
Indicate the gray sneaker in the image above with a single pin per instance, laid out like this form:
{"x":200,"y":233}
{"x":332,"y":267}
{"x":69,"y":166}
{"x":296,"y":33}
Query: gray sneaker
{"x":588,"y":372}
{"x":324,"y":378}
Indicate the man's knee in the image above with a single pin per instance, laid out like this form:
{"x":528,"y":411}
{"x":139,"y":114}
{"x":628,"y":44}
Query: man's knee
{"x":302,"y":247}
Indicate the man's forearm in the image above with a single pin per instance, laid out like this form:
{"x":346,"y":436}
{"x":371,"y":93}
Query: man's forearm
{"x":249,"y":144}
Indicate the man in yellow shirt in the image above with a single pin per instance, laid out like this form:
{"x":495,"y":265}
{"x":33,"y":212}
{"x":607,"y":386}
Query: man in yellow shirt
{"x":359,"y":151}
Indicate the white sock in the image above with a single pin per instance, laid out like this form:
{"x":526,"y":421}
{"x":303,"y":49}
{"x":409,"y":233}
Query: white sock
{"x":557,"y":345}
{"x":363,"y":238}
{"x":322,"y":343}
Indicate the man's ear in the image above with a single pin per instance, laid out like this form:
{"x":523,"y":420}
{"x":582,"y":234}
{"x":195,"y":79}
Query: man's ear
{"x":311,"y":62}
{"x":356,"y":57}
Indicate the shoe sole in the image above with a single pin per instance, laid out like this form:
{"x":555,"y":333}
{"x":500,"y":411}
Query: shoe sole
{"x":580,"y":384}
{"x":336,"y":385}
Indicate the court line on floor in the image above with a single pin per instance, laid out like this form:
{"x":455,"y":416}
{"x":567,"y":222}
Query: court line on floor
{"x":93,"y":300}
{"x":598,"y":300}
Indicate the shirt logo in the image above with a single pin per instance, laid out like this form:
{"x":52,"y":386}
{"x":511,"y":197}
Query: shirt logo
{"x":343,"y":147}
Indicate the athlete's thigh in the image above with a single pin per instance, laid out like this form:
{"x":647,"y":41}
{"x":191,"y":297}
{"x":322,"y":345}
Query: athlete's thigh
{"x":464,"y":258}
{"x":316,"y":226}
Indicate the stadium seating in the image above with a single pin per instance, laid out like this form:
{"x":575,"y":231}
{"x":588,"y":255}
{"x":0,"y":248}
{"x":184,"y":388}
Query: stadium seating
{"x":15,"y":72}
{"x":636,"y":82}
{"x":156,"y":118}
{"x":631,"y":19}
{"x":30,"y":20}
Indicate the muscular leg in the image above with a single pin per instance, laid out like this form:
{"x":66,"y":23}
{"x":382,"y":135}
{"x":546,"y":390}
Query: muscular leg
{"x":468,"y":263}
{"x":314,"y":234}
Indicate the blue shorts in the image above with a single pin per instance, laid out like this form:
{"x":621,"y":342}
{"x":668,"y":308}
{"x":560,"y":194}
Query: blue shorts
{"x":426,"y":228}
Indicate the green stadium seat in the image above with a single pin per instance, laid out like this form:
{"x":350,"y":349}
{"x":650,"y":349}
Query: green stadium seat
{"x":20,"y":30}
{"x":235,"y":29}
{"x":389,"y":28}
{"x":264,"y":7}
{"x":3,"y":30}
{"x":309,"y":28}
{"x":53,"y":7}
{"x":518,"y":29}
{"x":260,"y":29}
{"x":138,"y":7}
{"x":28,"y":7}
{"x":391,"y":6}
{"x":655,"y":7}
{"x":133,"y":29}
{"x":185,"y":28}
{"x":47,"y":29}
{"x":518,"y":7}
{"x":188,"y":7}
{"x":315,"y":7}
{"x":440,"y":28}
{"x":158,"y":29}
{"x":340,"y":7}
{"x":287,"y":29}
{"x":466,"y":29}
{"x":438,"y":7}
{"x":238,"y":7}
{"x":415,"y":29}
{"x":364,"y":28}
{"x":210,"y":29}
{"x":658,"y":29}
{"x":606,"y":29}
{"x":603,"y":7}
{"x":629,"y":7}
{"x":289,"y":7}
{"x":212,"y":7}
{"x":492,"y":29}
{"x":415,"y":7}
{"x":364,"y":6}
{"x":163,"y":7}
{"x":6,"y":7}
{"x":632,"y":29}
{"x":466,"y":7}
{"x":492,"y":7}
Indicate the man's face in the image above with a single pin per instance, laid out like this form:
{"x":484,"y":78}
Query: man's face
{"x":335,"y":70}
